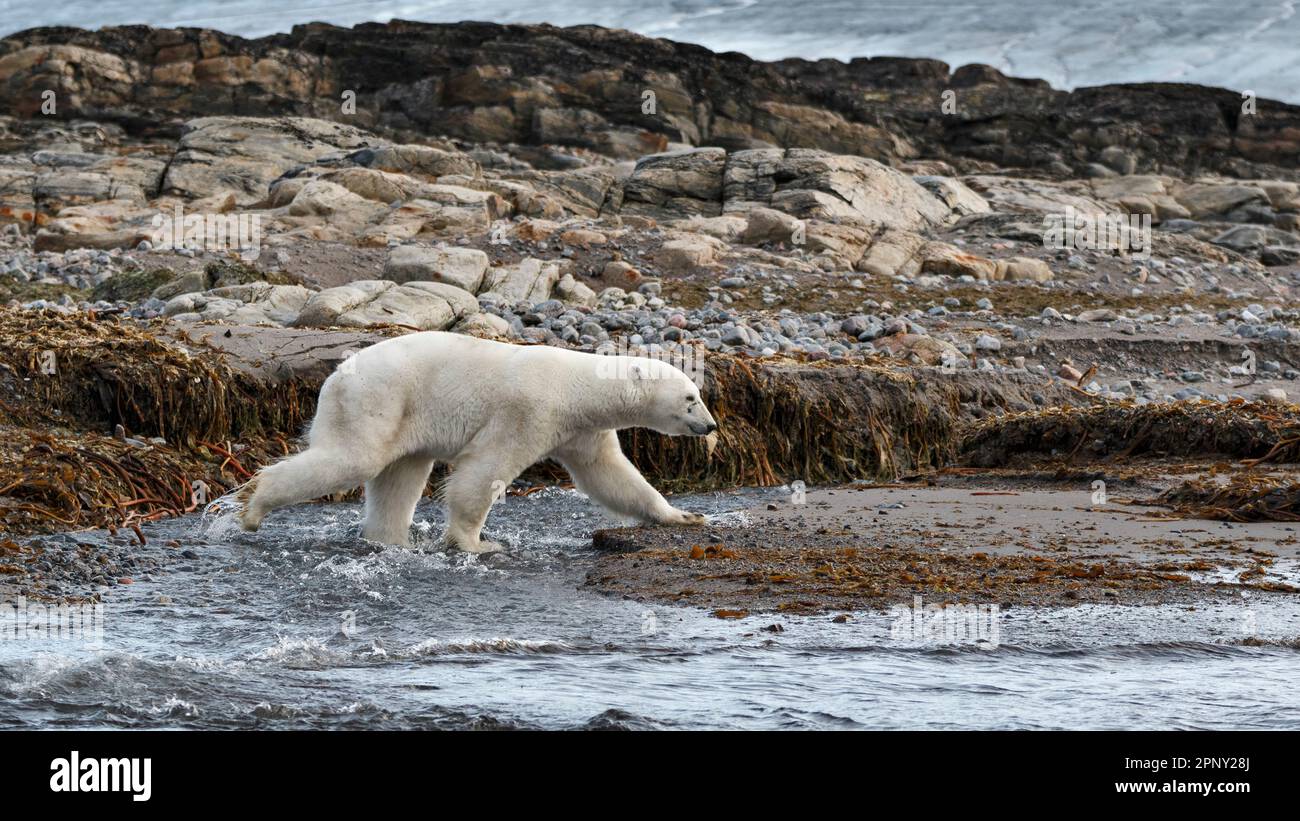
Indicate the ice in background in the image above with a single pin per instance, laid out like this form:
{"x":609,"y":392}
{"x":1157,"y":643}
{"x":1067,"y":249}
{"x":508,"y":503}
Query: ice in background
{"x":1248,"y":44}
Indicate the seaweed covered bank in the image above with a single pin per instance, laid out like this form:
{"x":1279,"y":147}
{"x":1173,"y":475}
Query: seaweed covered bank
{"x":948,"y":495}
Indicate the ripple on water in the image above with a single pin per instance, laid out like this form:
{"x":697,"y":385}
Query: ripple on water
{"x":438,"y":647}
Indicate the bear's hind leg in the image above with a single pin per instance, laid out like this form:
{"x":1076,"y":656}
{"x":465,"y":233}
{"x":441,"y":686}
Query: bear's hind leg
{"x":475,"y":483}
{"x":391,"y":498}
{"x":308,"y":475}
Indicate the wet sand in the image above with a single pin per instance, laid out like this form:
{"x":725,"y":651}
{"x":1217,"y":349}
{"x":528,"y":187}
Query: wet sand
{"x":870,"y":548}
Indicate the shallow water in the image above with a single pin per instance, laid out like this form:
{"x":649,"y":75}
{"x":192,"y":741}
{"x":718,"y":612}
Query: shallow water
{"x":305,"y":625}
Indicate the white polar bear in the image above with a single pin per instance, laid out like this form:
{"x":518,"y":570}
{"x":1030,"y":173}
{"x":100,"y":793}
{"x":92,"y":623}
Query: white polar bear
{"x":490,"y":409}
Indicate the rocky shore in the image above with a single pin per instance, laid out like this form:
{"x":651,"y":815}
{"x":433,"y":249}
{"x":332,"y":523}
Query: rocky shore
{"x":860,"y":254}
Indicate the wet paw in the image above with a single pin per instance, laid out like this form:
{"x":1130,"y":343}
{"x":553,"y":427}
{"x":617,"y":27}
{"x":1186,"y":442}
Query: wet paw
{"x":481,"y":546}
{"x":249,"y":522}
{"x":688,"y":518}
{"x":239,"y":503}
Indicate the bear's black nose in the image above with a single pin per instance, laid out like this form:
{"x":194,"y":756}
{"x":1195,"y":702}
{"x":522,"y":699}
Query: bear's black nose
{"x":712,"y":427}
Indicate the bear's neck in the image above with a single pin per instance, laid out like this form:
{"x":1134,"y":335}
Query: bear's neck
{"x":607,"y":404}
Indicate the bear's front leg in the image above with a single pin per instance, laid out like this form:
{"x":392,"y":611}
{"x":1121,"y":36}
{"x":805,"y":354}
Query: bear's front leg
{"x":600,"y":470}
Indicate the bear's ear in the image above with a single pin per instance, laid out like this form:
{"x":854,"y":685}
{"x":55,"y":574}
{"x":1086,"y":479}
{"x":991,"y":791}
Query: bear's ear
{"x":637,"y":371}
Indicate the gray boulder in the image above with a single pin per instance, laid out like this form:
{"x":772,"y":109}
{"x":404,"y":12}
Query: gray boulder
{"x":461,"y":267}
{"x":427,"y":306}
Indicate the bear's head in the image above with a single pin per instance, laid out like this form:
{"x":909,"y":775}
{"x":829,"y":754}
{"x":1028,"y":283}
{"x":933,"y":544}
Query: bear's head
{"x":669,"y":401}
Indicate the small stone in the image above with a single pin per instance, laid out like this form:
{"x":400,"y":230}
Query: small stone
{"x":1098,"y":315}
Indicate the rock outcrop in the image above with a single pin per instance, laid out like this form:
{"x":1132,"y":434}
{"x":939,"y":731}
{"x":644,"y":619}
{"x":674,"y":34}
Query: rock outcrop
{"x":626,"y":96}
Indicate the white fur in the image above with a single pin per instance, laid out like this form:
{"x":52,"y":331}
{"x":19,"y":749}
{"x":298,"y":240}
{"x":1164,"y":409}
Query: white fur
{"x":489,"y":409}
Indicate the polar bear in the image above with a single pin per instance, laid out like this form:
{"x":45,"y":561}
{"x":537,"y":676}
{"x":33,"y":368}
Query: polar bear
{"x":490,"y":409}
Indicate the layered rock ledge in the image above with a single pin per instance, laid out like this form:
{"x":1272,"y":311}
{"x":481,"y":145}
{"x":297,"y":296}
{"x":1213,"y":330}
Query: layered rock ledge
{"x":584,"y":86}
